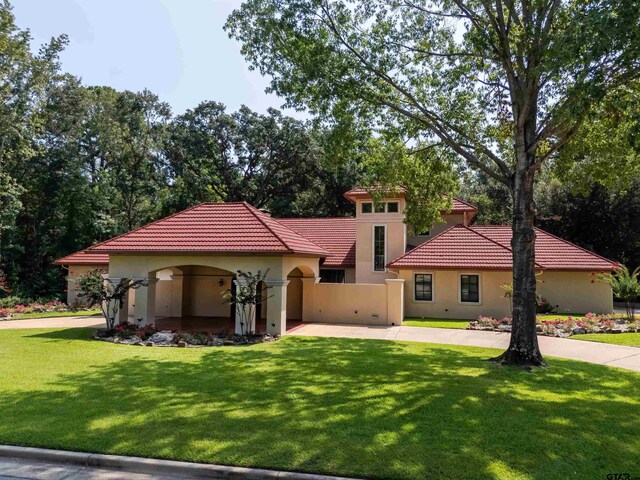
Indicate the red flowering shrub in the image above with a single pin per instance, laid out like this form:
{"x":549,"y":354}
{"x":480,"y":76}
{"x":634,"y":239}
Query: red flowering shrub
{"x":145,"y":332}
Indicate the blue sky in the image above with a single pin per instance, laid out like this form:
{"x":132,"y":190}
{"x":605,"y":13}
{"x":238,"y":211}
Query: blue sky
{"x":175,"y":48}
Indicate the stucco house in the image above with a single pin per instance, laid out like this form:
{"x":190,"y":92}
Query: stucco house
{"x":362,"y":269}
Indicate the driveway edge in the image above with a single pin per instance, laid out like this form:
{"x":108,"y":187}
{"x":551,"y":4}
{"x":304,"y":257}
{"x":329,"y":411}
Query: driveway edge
{"x":153,"y":466}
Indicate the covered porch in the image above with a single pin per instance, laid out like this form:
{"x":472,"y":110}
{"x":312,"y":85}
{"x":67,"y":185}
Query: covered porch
{"x":186,"y":293}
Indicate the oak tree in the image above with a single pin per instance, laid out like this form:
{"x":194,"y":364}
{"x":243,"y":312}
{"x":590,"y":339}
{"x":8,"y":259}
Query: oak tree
{"x":503,"y":84}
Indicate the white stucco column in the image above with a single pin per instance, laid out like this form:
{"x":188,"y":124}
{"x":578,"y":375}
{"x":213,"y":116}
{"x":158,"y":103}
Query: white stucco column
{"x":309,"y":298}
{"x":145,"y":306}
{"x":250,"y":316}
{"x":395,"y":301}
{"x":177,"y":282}
{"x":277,"y":310}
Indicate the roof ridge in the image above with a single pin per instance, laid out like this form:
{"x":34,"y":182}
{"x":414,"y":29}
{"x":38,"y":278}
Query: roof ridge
{"x":254,"y":211}
{"x":466,"y":203}
{"x":423,"y":244}
{"x":300,"y":235}
{"x":503,"y":225}
{"x":503,"y":246}
{"x":90,"y":249}
{"x":576,"y":246}
{"x":313,"y":218}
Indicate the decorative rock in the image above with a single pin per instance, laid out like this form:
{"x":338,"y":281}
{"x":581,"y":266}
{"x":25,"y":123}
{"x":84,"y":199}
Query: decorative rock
{"x":182,"y":344}
{"x":138,"y":344}
{"x":162,"y":338}
{"x":504,"y":328}
{"x":149,"y":344}
{"x":538,"y":328}
{"x":578,"y":331}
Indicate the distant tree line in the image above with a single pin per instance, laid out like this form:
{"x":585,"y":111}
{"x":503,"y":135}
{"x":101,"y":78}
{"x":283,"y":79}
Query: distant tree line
{"x":80,"y":164}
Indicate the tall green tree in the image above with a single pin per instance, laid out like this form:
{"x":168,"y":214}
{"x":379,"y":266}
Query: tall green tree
{"x":26,"y":80}
{"x":266,"y":160}
{"x":609,"y":138}
{"x":504,"y":85}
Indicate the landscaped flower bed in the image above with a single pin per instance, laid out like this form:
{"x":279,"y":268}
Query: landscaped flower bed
{"x":54,"y":306}
{"x":565,"y":327}
{"x":129,"y":334}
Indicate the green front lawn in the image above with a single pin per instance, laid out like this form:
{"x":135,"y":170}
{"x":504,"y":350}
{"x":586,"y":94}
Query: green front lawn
{"x":564,"y":316}
{"x":79,"y":313}
{"x":462,"y":324}
{"x":436,"y":323}
{"x":630,"y":339}
{"x":363,"y":408}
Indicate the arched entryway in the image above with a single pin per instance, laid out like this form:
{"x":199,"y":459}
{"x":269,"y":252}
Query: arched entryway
{"x":190,"y":298}
{"x":295,"y":294}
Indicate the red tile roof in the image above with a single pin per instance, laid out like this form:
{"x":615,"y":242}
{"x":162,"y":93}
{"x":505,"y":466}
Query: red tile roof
{"x":358,"y":192}
{"x":84,"y":258}
{"x":336,"y":235}
{"x":552,"y":252}
{"x":488,"y":247}
{"x":214,"y":228}
{"x":460,"y":207}
{"x":457,"y":247}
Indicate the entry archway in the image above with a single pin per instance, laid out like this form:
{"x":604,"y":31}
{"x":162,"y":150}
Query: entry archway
{"x":296,"y":294}
{"x":190,"y":298}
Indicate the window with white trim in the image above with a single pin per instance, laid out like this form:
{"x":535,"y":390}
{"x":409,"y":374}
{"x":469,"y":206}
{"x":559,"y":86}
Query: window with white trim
{"x":423,"y":287}
{"x":367,"y":207}
{"x":470,"y":288}
{"x":379,"y":248}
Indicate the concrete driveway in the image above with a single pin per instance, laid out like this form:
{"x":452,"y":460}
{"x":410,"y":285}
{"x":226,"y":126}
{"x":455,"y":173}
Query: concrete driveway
{"x":54,"y":322}
{"x":591,"y":352}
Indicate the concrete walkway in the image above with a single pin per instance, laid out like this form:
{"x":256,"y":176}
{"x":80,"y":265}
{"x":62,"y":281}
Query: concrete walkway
{"x":54,"y":322}
{"x":591,"y":352}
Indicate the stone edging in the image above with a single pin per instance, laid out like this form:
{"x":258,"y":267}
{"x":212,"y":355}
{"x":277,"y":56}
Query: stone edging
{"x":153,"y":466}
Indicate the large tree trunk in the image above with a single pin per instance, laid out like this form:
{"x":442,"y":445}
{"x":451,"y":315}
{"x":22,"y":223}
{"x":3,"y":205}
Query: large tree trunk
{"x":523,"y":348}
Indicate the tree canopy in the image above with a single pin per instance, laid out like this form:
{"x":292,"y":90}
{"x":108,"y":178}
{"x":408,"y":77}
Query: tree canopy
{"x":504,"y":86}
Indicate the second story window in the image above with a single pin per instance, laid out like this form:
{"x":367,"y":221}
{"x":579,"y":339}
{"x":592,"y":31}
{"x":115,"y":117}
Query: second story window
{"x":379,"y":260}
{"x":380,"y":207}
{"x":367,"y":207}
{"x":392,"y":207}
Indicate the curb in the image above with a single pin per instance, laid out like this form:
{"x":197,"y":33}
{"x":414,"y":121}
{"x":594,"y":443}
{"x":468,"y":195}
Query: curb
{"x":153,"y":466}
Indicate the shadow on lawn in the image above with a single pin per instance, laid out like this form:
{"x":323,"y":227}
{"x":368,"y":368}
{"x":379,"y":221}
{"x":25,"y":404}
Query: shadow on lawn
{"x":349,"y":407}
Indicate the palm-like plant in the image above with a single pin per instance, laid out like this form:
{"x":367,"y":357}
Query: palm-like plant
{"x":625,"y":286}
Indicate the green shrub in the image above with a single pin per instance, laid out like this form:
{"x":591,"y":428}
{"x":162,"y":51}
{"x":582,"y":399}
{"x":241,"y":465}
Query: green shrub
{"x":198,"y":338}
{"x":14,"y":300}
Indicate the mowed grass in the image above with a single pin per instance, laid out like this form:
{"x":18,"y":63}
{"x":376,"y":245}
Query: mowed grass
{"x":436,"y":322}
{"x":363,"y":408}
{"x":564,"y":316}
{"x":79,"y":313}
{"x":629,"y":339}
{"x":462,"y":324}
